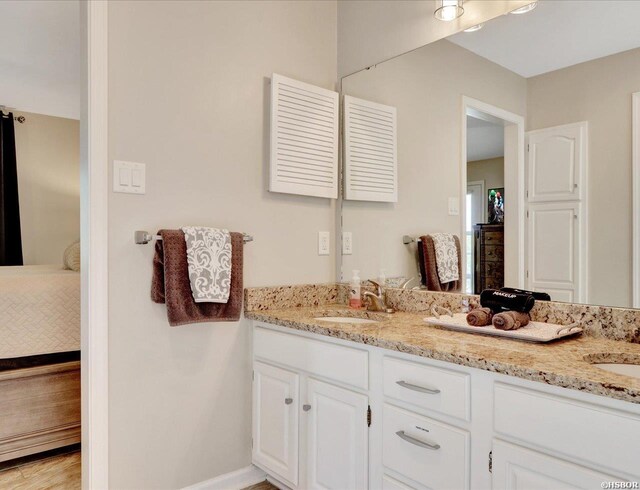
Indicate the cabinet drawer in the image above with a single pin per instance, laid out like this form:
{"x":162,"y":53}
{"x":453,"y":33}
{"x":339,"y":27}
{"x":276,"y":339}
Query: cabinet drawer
{"x":440,"y":390}
{"x":431,"y":453}
{"x":494,"y":253}
{"x":518,"y":468}
{"x":343,"y":364}
{"x":494,"y":269}
{"x":580,"y":431}
{"x":493,"y":237}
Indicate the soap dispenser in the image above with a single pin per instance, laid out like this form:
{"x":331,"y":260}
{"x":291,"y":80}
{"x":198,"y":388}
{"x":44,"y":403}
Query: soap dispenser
{"x":355,"y":300}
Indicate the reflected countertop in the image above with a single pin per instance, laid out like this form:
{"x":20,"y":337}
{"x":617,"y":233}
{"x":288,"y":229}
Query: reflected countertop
{"x":560,"y":363}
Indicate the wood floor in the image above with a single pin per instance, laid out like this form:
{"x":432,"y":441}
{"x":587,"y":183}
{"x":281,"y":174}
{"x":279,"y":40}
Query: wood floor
{"x":265,"y":485}
{"x":58,"y":472}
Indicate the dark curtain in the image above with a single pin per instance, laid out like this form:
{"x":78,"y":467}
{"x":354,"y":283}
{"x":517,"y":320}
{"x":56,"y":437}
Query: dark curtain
{"x":10,"y":236}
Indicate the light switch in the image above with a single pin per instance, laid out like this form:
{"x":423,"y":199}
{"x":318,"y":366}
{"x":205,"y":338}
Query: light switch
{"x":454,"y":206}
{"x":125,"y":176}
{"x":136,"y":178}
{"x":128,"y":177}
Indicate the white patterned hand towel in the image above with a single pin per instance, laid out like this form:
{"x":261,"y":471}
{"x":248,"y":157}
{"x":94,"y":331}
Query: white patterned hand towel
{"x":209,"y":261}
{"x":446,"y":257}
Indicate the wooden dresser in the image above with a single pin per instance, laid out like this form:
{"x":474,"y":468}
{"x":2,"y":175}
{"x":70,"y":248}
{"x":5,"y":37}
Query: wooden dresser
{"x":489,"y":257}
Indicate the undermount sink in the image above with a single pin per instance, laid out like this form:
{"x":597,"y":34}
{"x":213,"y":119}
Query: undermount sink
{"x":344,"y":319}
{"x":619,"y":363}
{"x":626,"y":369}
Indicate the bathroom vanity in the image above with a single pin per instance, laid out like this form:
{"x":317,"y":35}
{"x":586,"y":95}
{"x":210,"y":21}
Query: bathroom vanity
{"x":396,"y":404}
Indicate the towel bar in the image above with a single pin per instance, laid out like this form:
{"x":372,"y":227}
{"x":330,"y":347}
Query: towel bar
{"x":144,"y":237}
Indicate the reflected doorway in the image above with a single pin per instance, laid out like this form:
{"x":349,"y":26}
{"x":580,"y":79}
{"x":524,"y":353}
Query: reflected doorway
{"x":484,"y":224}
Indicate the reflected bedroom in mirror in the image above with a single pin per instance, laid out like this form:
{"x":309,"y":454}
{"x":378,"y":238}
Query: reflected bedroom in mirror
{"x":508,"y":154}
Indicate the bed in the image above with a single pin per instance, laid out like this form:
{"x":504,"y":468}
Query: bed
{"x":39,"y":359}
{"x":39,"y":310}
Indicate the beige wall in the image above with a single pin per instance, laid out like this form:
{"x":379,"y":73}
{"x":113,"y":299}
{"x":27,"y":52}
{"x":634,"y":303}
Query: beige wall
{"x":427,"y":89}
{"x":599,"y":92}
{"x":189,"y":96}
{"x":372,"y":31}
{"x":491,"y":171}
{"x":48,"y":156}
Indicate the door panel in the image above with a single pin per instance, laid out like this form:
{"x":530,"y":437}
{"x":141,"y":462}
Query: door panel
{"x":275,"y":420}
{"x":553,"y":230}
{"x":337,"y":437}
{"x":556,"y":160}
{"x":518,"y":468}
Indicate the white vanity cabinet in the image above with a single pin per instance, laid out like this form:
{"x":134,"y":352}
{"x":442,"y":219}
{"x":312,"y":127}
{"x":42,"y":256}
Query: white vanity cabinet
{"x":434,"y":425}
{"x":310,"y":411}
{"x":275,"y":419}
{"x":337,"y":437}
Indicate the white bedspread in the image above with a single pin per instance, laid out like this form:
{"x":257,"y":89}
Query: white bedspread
{"x":39,"y":310}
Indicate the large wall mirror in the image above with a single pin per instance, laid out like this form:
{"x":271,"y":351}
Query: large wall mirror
{"x":516,"y":138}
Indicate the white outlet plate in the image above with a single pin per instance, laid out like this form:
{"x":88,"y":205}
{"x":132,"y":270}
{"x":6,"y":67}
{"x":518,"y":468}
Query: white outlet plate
{"x":324,"y":237}
{"x":454,"y":206}
{"x":347,"y":243}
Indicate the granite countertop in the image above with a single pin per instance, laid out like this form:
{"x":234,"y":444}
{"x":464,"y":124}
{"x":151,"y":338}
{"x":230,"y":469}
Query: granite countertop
{"x":561,"y":363}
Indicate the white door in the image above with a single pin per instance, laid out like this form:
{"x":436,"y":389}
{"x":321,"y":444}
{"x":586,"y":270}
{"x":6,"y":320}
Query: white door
{"x":337,"y":437}
{"x":475,"y":213}
{"x":553,"y":231}
{"x":557,"y":163}
{"x":518,"y":468}
{"x":275,"y":420}
{"x":556,"y":212}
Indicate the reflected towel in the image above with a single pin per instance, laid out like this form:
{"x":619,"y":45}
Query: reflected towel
{"x":171,"y":285}
{"x":444,"y":245}
{"x":428,"y":267}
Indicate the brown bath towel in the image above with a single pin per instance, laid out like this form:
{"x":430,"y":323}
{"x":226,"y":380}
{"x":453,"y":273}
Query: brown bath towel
{"x":171,"y":285}
{"x":428,"y":268}
{"x":511,"y":320}
{"x":480,"y":317}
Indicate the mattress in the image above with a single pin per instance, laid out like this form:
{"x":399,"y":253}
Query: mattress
{"x":39,"y":310}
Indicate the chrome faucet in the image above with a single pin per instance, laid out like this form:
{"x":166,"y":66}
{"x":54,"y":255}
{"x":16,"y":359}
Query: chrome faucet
{"x":377,"y":302}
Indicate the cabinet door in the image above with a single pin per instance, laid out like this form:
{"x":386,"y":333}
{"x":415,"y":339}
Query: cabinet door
{"x":275,"y":420}
{"x":555,"y":250}
{"x":557,"y":159}
{"x":337,"y":437}
{"x":517,"y":468}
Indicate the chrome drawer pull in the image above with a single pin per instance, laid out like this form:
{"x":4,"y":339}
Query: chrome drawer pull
{"x":306,"y":408}
{"x":288,"y":401}
{"x":421,"y":389}
{"x":416,"y":442}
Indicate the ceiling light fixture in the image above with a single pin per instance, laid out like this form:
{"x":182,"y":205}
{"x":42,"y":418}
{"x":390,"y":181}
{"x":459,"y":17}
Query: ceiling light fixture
{"x":448,"y":10}
{"x":474,"y":28}
{"x":527,"y":8}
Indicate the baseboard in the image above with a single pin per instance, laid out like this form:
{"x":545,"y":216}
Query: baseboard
{"x":236,"y":480}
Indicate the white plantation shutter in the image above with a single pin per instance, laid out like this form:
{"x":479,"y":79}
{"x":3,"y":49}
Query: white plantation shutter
{"x":370,"y":151}
{"x":304,"y":139}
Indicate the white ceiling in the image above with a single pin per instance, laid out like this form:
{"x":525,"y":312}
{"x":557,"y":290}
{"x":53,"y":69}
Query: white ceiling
{"x":40,"y":56}
{"x":484,"y":139}
{"x":557,"y":34}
